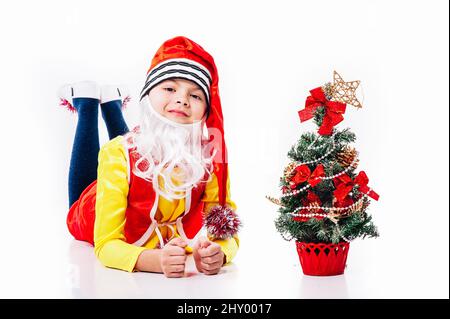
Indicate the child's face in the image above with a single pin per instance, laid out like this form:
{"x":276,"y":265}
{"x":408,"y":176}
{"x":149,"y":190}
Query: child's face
{"x":179,"y":100}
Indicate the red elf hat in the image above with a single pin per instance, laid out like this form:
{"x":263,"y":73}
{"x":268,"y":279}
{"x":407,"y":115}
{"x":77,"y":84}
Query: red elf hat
{"x":181,"y":57}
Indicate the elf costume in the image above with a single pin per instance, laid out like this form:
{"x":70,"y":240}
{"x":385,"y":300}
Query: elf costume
{"x":119,"y":212}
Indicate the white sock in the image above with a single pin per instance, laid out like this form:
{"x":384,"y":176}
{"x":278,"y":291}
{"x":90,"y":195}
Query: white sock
{"x":88,"y":89}
{"x":85,"y":89}
{"x":112,"y":92}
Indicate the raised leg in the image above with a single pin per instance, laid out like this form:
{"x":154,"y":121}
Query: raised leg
{"x":86,"y":145}
{"x":113,"y":117}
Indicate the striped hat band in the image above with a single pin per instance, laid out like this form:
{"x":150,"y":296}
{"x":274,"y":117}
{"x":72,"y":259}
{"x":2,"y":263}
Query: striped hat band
{"x":178,"y":68}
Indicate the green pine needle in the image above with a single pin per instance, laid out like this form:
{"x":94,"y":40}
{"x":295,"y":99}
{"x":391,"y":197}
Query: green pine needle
{"x":357,"y":225}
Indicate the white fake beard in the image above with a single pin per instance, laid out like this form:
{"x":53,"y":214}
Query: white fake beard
{"x":164,"y":145}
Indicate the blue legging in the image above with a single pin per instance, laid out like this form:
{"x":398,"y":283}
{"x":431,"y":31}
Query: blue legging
{"x":86,"y":145}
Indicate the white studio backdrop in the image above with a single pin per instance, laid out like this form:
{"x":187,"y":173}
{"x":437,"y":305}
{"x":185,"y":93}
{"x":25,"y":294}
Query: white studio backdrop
{"x":269,"y":55}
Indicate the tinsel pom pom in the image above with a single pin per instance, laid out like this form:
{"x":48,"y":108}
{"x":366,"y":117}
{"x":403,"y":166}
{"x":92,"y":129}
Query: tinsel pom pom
{"x":66,"y":104}
{"x":222,"y":222}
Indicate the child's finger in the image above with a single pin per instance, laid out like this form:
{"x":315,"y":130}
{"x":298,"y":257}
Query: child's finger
{"x":176,"y":251}
{"x":175,"y":268}
{"x":203,"y":242}
{"x":211,"y":250}
{"x":211,"y":267}
{"x":206,"y":244}
{"x":175,"y":274}
{"x":178,"y":260}
{"x":213,"y":259}
{"x":177,"y":241}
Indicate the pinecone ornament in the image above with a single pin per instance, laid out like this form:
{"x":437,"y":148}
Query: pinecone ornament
{"x":335,"y":214}
{"x":356,"y":208}
{"x":347,"y":156}
{"x":289,"y":171}
{"x":327,"y":89}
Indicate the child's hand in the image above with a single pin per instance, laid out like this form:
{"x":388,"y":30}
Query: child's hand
{"x":208,"y":256}
{"x":173,"y":258}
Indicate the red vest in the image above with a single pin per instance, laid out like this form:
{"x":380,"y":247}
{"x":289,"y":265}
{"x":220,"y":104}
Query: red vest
{"x":141,"y":201}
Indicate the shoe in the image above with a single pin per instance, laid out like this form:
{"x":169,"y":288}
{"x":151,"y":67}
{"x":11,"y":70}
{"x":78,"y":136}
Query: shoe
{"x":68,"y":92}
{"x":110,"y":93}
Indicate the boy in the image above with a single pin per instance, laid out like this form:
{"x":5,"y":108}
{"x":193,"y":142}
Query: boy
{"x":154,"y":187}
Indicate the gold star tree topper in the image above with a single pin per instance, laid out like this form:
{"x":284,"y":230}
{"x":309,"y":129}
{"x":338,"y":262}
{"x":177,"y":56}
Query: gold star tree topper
{"x":344,"y":92}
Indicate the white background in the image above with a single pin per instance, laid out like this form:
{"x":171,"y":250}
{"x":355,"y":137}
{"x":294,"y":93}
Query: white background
{"x":269,"y":55}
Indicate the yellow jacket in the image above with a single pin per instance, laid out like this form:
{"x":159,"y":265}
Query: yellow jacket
{"x":111,"y":202}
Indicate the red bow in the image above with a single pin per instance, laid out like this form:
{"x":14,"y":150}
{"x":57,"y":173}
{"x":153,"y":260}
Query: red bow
{"x":362,"y":180}
{"x":303,"y":174}
{"x":333,"y":110}
{"x":344,"y":185}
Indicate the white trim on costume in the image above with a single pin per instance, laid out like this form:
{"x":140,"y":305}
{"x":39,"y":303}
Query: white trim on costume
{"x":141,"y":241}
{"x":127,"y":155}
{"x":187,"y":202}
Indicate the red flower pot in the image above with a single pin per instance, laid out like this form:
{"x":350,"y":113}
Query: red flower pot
{"x":323,"y":259}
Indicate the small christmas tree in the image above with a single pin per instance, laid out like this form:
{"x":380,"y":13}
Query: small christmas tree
{"x":324,"y":200}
